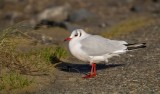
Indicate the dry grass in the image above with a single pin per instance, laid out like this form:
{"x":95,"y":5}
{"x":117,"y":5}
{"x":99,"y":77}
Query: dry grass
{"x":16,"y":66}
{"x":130,"y":25}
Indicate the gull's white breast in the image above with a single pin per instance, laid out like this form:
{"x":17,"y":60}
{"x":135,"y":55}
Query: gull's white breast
{"x":75,"y":49}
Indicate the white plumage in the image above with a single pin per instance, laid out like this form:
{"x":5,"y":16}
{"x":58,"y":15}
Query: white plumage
{"x":95,"y":48}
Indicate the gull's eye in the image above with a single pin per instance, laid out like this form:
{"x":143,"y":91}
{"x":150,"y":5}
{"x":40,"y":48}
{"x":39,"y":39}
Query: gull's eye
{"x":76,"y":35}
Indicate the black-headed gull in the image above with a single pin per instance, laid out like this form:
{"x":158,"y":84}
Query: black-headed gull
{"x":95,"y":48}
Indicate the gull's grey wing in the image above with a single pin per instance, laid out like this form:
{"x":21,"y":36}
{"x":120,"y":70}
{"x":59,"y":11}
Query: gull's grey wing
{"x":95,"y":45}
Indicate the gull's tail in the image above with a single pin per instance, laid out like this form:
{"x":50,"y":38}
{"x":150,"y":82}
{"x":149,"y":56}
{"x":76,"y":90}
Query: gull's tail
{"x":135,"y":46}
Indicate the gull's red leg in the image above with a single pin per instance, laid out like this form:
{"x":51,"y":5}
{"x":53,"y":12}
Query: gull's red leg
{"x":92,"y":69}
{"x":92,"y":73}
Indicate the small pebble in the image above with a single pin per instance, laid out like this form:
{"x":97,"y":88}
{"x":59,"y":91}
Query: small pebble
{"x":72,"y":79}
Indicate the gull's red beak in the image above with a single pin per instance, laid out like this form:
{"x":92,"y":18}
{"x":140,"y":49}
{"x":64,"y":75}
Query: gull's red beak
{"x":67,"y":39}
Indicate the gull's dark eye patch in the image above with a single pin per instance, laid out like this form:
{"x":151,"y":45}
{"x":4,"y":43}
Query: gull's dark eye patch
{"x":80,"y":33}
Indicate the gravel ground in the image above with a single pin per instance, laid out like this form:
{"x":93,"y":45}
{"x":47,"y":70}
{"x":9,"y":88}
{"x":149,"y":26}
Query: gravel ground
{"x":136,"y":72}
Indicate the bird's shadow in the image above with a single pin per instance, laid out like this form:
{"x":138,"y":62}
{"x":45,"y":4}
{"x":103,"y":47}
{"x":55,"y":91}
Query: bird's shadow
{"x":83,"y":68}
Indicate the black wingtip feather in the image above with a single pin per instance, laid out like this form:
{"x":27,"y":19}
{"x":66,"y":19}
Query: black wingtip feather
{"x":135,"y":46}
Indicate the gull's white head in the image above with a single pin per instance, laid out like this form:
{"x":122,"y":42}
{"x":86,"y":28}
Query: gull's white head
{"x":77,"y":34}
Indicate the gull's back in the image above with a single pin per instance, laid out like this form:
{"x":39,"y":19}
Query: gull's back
{"x":95,"y":45}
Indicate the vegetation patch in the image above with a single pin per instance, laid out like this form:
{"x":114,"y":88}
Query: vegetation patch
{"x":60,"y":53}
{"x":14,"y":80}
{"x":18,"y":68}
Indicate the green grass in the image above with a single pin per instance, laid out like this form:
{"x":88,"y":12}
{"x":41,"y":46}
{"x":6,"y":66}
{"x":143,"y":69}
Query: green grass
{"x":60,"y":53}
{"x":14,"y":80}
{"x":46,"y":54}
{"x":53,"y":52}
{"x":127,"y":26}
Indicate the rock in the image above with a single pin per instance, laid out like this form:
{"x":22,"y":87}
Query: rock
{"x":158,"y":76}
{"x":79,"y":15}
{"x":41,"y":38}
{"x":12,"y":16}
{"x":47,"y":23}
{"x":47,"y":40}
{"x":58,"y":14}
{"x":50,"y":16}
{"x":102,"y":25}
{"x":70,"y":27}
{"x":155,"y":1}
{"x":29,"y":9}
{"x":135,"y":9}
